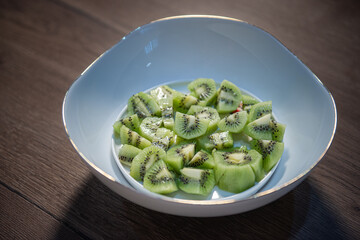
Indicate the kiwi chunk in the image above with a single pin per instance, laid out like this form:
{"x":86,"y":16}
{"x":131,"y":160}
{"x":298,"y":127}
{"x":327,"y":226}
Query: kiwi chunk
{"x":278,"y":130}
{"x":228,"y":98}
{"x":190,"y":127}
{"x":164,"y":138}
{"x":259,"y":110}
{"x":143,"y":161}
{"x":206,"y":113}
{"x":164,"y":97}
{"x":270,"y":150}
{"x":149,"y":126}
{"x":234,"y":123}
{"x":202,"y":159}
{"x":233,"y":172}
{"x":260,"y":128}
{"x":203,"y":89}
{"x":179,"y":155}
{"x":183,"y":102}
{"x":143,"y":105}
{"x":130,"y":137}
{"x":127,"y":154}
{"x":131,"y":122}
{"x":248,"y":100}
{"x":196,"y":181}
{"x":218,"y":140}
{"x":159,"y":179}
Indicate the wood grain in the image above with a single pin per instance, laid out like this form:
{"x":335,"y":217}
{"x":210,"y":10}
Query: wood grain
{"x":47,"y":192}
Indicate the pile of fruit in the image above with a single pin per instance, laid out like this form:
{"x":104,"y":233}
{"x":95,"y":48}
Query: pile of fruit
{"x":173,"y":140}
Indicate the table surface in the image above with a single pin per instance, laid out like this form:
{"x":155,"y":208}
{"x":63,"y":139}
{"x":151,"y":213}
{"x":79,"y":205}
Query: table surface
{"x":47,"y":192}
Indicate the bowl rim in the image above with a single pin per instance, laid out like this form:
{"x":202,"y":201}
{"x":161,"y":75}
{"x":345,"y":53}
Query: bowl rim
{"x":201,"y":202}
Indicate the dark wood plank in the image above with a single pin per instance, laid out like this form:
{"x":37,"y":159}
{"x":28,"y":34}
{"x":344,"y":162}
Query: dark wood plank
{"x":45,"y":45}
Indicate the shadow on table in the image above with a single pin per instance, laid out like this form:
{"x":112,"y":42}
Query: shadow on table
{"x":99,"y":213}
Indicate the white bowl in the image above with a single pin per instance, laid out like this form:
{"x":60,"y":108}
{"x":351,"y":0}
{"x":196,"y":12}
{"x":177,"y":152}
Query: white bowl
{"x":183,"y":48}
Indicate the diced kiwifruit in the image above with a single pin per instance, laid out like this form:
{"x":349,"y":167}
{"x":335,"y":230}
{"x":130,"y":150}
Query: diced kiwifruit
{"x":149,"y":126}
{"x":179,"y":155}
{"x":196,"y":181}
{"x":143,"y":161}
{"x":259,"y":110}
{"x":234,"y":123}
{"x":159,"y":179}
{"x":247,"y":109}
{"x":256,"y":162}
{"x":270,"y":150}
{"x":203,"y":89}
{"x":233,"y":172}
{"x":190,"y":127}
{"x":143,"y":105}
{"x":278,"y":130}
{"x":228,"y":97}
{"x":130,"y":137}
{"x":218,"y":140}
{"x":131,"y":122}
{"x":202,"y":159}
{"x":183,"y":102}
{"x":164,"y":138}
{"x":164,"y":97}
{"x":206,"y":113}
{"x":260,"y":128}
{"x":248,"y":100}
{"x":127,"y":154}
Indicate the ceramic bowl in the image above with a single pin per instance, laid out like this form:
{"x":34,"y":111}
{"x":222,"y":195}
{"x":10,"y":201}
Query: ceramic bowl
{"x":183,"y":48}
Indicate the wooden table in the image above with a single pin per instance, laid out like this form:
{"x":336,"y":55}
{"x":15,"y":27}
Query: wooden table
{"x":46,"y":191}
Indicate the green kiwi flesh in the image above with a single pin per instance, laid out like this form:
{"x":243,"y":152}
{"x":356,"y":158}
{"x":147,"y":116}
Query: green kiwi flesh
{"x":259,"y":110}
{"x":149,"y":126}
{"x":206,"y":113}
{"x":196,"y":181}
{"x":143,"y":105}
{"x":218,"y":140}
{"x":234,"y":123}
{"x":260,"y":128}
{"x":233,"y":172}
{"x":159,"y":179}
{"x":132,"y":122}
{"x":190,"y":127}
{"x":228,"y":97}
{"x":203,"y":89}
{"x":143,"y":161}
{"x":183,"y":102}
{"x":270,"y":150}
{"x":248,"y":100}
{"x":130,"y":137}
{"x":164,"y":138}
{"x":127,"y":154}
{"x":164,"y":98}
{"x":201,"y":159}
{"x":177,"y":156}
{"x":278,"y":130}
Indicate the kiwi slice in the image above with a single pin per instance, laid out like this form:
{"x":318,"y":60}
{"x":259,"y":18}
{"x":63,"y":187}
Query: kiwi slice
{"x":228,"y":98}
{"x":164,"y":97}
{"x":143,"y":105}
{"x":203,"y":89}
{"x":218,"y":140}
{"x":149,"y":126}
{"x":164,"y":138}
{"x":234,"y":123}
{"x":259,"y":110}
{"x":202,"y":159}
{"x":178,"y":155}
{"x":190,"y":127}
{"x":270,"y":150}
{"x":260,"y":128}
{"x":182,"y":102}
{"x":143,"y":161}
{"x":159,"y":179}
{"x":256,"y":162}
{"x":130,"y":137}
{"x":233,"y":172}
{"x":196,"y":181}
{"x":278,"y":130}
{"x":206,"y":113}
{"x":248,"y":100}
{"x":127,"y":154}
{"x":131,"y":122}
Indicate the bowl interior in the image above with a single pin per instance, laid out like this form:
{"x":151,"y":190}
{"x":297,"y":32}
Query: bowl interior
{"x":182,"y":49}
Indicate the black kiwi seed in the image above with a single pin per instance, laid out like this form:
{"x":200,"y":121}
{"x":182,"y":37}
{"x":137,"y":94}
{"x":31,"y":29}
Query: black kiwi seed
{"x":203,"y":178}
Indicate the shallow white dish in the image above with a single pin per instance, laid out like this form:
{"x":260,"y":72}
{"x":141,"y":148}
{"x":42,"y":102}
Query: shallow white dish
{"x":216,"y":193}
{"x":184,"y":48}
